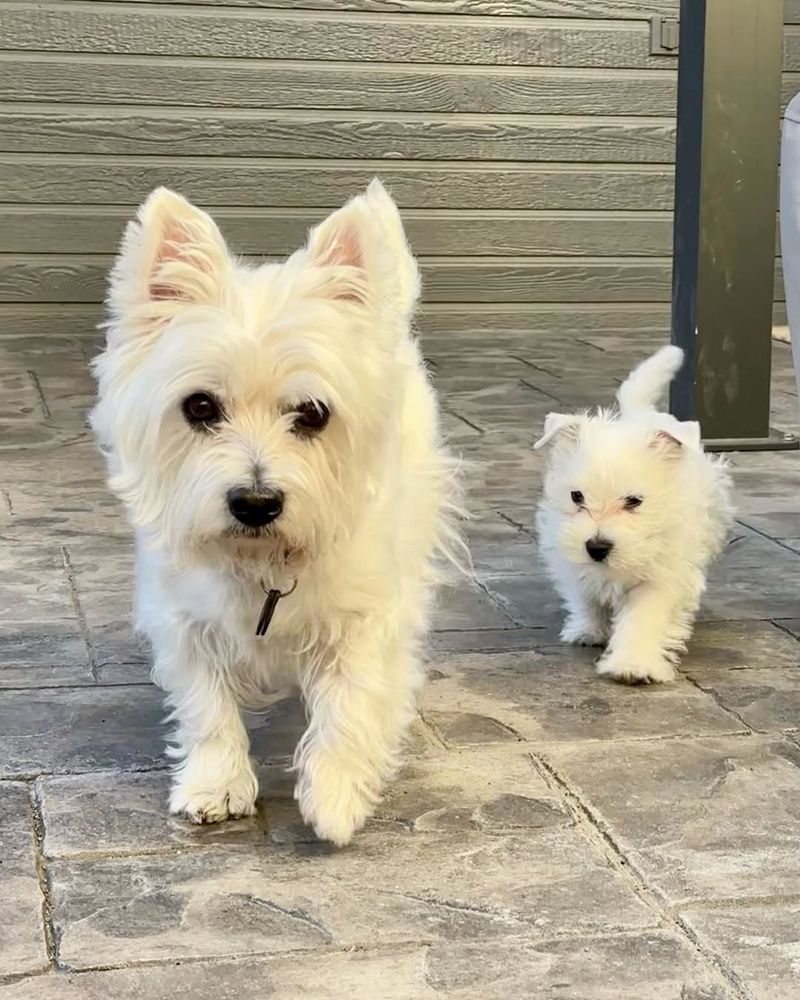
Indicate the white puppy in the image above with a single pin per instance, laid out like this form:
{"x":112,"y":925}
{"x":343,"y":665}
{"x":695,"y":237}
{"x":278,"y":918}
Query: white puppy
{"x":272,"y":431}
{"x":633,"y":512}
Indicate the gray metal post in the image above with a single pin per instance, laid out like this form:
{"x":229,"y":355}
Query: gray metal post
{"x":726,"y":192}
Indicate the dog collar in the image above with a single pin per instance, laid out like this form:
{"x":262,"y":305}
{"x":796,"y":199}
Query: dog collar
{"x":270,"y":603}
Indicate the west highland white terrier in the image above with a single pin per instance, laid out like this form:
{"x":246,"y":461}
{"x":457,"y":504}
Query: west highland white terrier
{"x":274,"y":436}
{"x":633,"y":512}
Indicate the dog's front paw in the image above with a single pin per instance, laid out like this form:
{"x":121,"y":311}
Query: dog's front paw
{"x":334,"y":802}
{"x":204,"y":804}
{"x":580,"y":632}
{"x":204,"y":795}
{"x":636,"y":670}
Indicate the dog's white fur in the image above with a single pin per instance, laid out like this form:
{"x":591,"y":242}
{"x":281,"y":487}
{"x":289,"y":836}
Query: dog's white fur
{"x":643,"y":598}
{"x":366,"y":502}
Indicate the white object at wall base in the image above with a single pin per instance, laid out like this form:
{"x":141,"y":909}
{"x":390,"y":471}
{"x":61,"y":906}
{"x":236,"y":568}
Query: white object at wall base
{"x":790,"y":222}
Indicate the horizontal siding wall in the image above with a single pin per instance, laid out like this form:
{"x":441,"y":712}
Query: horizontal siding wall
{"x":529,"y":144}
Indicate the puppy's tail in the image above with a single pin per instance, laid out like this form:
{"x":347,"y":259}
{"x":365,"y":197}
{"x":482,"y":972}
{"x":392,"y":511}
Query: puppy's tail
{"x":643,"y":388}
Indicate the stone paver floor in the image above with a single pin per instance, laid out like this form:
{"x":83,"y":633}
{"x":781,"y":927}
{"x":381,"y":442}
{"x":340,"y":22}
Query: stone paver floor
{"x":552,"y":835}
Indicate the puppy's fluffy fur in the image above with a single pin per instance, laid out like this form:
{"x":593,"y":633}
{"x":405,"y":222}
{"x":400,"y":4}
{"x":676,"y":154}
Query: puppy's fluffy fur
{"x":365,"y":497}
{"x":633,"y":512}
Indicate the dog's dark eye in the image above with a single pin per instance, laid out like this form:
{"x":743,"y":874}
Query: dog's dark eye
{"x":577,"y":497}
{"x":201,"y":409}
{"x":310,"y":417}
{"x":631,"y":503}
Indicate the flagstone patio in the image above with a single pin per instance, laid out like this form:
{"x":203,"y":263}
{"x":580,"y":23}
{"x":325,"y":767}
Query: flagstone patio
{"x":552,"y":835}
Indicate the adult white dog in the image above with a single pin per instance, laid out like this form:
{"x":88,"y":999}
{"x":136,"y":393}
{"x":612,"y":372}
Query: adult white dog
{"x":632,"y":514}
{"x":274,"y":437}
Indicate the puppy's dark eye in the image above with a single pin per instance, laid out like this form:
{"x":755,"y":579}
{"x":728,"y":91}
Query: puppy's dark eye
{"x":631,"y":503}
{"x":201,"y":409}
{"x":310,"y":417}
{"x":577,"y":497}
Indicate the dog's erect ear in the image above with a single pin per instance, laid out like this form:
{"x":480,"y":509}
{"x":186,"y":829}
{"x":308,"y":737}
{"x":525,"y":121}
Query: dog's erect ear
{"x":564,"y":426}
{"x":367,"y":241}
{"x":689,"y":433}
{"x":665,"y":444}
{"x":172,"y":254}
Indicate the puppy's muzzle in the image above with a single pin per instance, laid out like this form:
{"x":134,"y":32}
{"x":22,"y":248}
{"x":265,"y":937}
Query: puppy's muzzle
{"x":255,"y":508}
{"x":598,"y":548}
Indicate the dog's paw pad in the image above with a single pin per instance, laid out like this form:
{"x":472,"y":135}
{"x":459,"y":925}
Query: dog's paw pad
{"x":632,"y":672}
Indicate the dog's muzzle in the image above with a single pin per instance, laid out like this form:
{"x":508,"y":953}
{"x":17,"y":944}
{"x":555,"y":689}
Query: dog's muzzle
{"x":598,"y":548}
{"x":255,"y":508}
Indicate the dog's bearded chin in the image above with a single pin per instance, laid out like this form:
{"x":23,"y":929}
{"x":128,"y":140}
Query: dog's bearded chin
{"x":243,"y":531}
{"x":245,"y":545}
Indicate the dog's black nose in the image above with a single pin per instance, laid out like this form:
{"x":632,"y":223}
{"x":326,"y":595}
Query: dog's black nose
{"x":598,"y":548}
{"x":255,"y":508}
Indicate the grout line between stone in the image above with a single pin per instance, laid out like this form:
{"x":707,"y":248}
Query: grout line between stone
{"x":777,"y":623}
{"x":463,"y":419}
{"x":432,"y":730}
{"x":78,"y":687}
{"x":140,"y":852}
{"x":396,"y":947}
{"x":602,"y":838}
{"x":215,"y":960}
{"x":738,"y":903}
{"x":35,"y":775}
{"x":76,"y":603}
{"x":533,"y":745}
{"x":543,"y":392}
{"x":12,"y":978}
{"x":711,"y":693}
{"x":598,"y":833}
{"x":588,"y":343}
{"x":727,"y":972}
{"x":769,"y":538}
{"x":209,"y":960}
{"x":496,"y":601}
{"x":37,"y":386}
{"x":660,"y":738}
{"x":51,"y":934}
{"x":538,"y":368}
{"x":515,"y":524}
{"x":511,"y":627}
{"x":520,"y":647}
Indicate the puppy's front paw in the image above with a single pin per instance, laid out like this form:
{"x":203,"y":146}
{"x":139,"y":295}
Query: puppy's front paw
{"x":636,"y":670}
{"x":204,"y":795}
{"x":334,"y":802}
{"x":580,"y":632}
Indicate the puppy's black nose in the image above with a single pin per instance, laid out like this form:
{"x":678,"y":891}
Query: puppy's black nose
{"x":598,"y":548}
{"x":255,"y":508}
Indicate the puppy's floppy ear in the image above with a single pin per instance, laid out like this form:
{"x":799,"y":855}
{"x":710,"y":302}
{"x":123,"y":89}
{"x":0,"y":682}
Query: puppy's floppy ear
{"x":172,"y":254}
{"x":366,"y":240}
{"x":564,"y":426}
